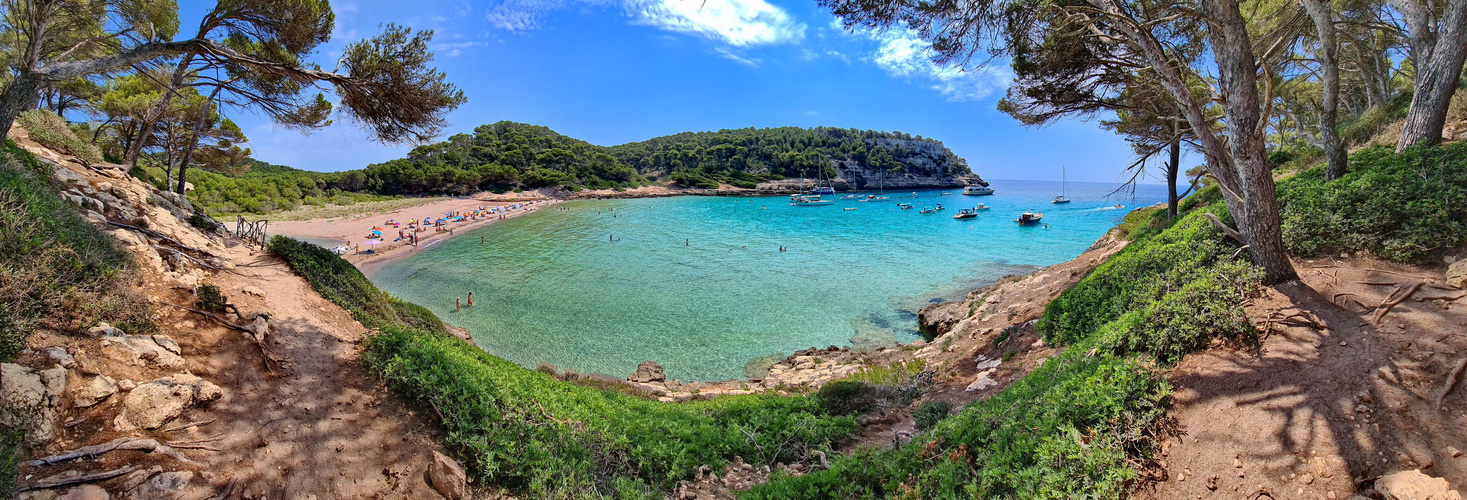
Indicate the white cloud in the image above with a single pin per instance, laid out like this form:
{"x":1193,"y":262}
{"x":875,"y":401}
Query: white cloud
{"x":734,"y":22}
{"x":454,"y":49}
{"x":902,"y":53}
{"x":730,"y":55}
{"x":737,"y":23}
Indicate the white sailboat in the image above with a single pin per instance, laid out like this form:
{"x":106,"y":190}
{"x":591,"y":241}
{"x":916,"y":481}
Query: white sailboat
{"x":1061,"y":198}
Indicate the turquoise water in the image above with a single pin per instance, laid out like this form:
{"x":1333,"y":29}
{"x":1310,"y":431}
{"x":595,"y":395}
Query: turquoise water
{"x":699,"y":285}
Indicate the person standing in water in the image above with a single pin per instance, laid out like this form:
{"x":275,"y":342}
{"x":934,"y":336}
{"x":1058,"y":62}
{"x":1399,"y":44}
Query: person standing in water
{"x":471,"y":299}
{"x":458,"y":304}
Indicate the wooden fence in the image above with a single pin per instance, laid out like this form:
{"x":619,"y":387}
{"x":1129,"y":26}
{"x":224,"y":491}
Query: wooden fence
{"x":252,"y":233}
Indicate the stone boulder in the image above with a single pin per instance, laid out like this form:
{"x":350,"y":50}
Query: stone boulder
{"x":447,"y":477}
{"x":61,"y":357}
{"x":1413,"y":485}
{"x":180,"y":485}
{"x":648,"y":372}
{"x":85,"y":492}
{"x":33,"y":399}
{"x":97,"y":390}
{"x":1457,"y":274}
{"x":152,"y":404}
{"x":139,"y":350}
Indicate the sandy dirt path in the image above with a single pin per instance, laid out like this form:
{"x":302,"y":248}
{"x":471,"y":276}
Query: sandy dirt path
{"x":1332,"y":399}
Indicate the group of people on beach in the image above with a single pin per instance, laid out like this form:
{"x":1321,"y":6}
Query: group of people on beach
{"x":408,"y":232}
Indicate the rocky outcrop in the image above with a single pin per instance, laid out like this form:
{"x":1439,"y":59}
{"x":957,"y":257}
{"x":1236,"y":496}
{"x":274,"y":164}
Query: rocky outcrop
{"x":447,"y":477}
{"x":93,"y":391}
{"x":1413,"y":485}
{"x":139,"y":350}
{"x":153,"y":403}
{"x":1457,"y":274}
{"x":648,"y":372}
{"x":33,"y":399}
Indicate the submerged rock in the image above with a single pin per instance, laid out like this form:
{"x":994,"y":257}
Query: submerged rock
{"x":648,"y":372}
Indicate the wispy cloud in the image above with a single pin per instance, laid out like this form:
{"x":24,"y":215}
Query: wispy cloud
{"x":901,"y":52}
{"x":454,"y":49}
{"x":732,"y":56}
{"x":736,"y":23}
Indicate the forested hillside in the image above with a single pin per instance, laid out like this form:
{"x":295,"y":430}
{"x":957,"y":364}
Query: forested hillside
{"x":508,"y":155}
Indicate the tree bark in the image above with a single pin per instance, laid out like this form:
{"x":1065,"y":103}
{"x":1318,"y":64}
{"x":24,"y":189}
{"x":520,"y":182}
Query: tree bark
{"x":193,"y":141}
{"x":1329,"y":135}
{"x":1173,"y":167}
{"x":1254,"y":204}
{"x":1438,"y":56}
{"x":23,"y":94}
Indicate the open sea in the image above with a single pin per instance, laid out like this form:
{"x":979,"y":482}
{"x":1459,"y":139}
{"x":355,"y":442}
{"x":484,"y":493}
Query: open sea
{"x":698,"y":284}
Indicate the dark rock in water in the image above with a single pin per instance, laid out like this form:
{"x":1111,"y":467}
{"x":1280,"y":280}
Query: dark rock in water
{"x":648,"y":371}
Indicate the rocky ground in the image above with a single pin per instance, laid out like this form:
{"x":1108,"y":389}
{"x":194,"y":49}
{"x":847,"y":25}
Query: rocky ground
{"x":267,"y":401}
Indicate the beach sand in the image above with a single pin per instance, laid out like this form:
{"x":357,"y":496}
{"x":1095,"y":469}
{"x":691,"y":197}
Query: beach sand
{"x":354,"y":229}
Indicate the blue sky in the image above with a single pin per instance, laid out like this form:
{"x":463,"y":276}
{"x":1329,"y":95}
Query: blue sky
{"x":617,"y":71}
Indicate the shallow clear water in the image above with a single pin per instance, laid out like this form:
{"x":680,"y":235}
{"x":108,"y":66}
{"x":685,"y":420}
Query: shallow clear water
{"x":699,"y":285}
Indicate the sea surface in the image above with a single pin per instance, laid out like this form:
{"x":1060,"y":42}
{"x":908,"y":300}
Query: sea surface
{"x":699,"y":285}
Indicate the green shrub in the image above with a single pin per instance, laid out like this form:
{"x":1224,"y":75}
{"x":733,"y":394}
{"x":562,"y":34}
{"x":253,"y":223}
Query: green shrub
{"x":930,"y":413}
{"x":51,"y":131}
{"x":539,"y":437}
{"x":342,"y":283}
{"x":1278,"y":157}
{"x":846,"y":397}
{"x":210,"y":298}
{"x":1400,"y":207}
{"x":201,"y":221}
{"x":56,"y":270}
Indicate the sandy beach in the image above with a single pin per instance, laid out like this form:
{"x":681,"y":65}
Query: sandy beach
{"x":354,"y":229}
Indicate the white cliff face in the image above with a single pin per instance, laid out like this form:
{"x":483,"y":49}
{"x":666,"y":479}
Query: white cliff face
{"x":926,"y":164}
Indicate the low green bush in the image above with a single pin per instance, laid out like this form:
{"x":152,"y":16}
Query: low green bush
{"x":56,"y":270}
{"x":51,"y":131}
{"x":1401,"y":207}
{"x":930,"y":413}
{"x":543,"y":438}
{"x":210,"y":298}
{"x":342,"y":283}
{"x":846,"y":397}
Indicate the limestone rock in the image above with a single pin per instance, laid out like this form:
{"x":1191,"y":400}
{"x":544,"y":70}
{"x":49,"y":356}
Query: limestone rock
{"x":126,"y":385}
{"x":31,"y":402}
{"x":85,"y":492}
{"x":104,"y":330}
{"x":153,"y":403}
{"x":140,"y":350}
{"x":648,"y":372}
{"x":982,"y":382}
{"x":1457,"y":274}
{"x":61,"y":357}
{"x":447,"y":477}
{"x":1413,"y":485}
{"x":171,"y":486}
{"x":95,"y":391}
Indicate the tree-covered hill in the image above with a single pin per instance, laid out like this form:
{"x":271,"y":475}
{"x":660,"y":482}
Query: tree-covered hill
{"x":509,"y":155}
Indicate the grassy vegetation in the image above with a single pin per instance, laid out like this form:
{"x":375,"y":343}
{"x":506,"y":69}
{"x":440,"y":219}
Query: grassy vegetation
{"x":341,"y":283}
{"x":51,"y":131}
{"x":1404,"y":207}
{"x":56,"y":270}
{"x":541,"y":437}
{"x":1079,"y":425}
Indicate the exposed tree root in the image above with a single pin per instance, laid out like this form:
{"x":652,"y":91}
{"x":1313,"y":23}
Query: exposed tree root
{"x":1402,"y":293}
{"x":1451,"y":382}
{"x":177,"y":428}
{"x":270,"y":359}
{"x":144,"y":445}
{"x":79,"y":479}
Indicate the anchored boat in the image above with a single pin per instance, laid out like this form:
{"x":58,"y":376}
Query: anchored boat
{"x":966,"y":213}
{"x":1029,"y":218}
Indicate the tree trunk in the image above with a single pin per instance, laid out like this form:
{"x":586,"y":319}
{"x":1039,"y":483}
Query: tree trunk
{"x":193,"y":141}
{"x":1329,"y":135}
{"x":23,"y":94}
{"x":1254,"y":204}
{"x":1172,"y":168}
{"x":136,"y":149}
{"x":1437,"y":72}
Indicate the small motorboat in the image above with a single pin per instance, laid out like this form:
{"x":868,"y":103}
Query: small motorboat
{"x":927,"y":210}
{"x":940,"y":207}
{"x":944,"y":193}
{"x":904,"y":206}
{"x":1060,"y":199}
{"x":981,"y":207}
{"x":966,"y":213}
{"x":849,"y":209}
{"x":850,"y":197}
{"x":1029,"y":218}
{"x":976,"y":190}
